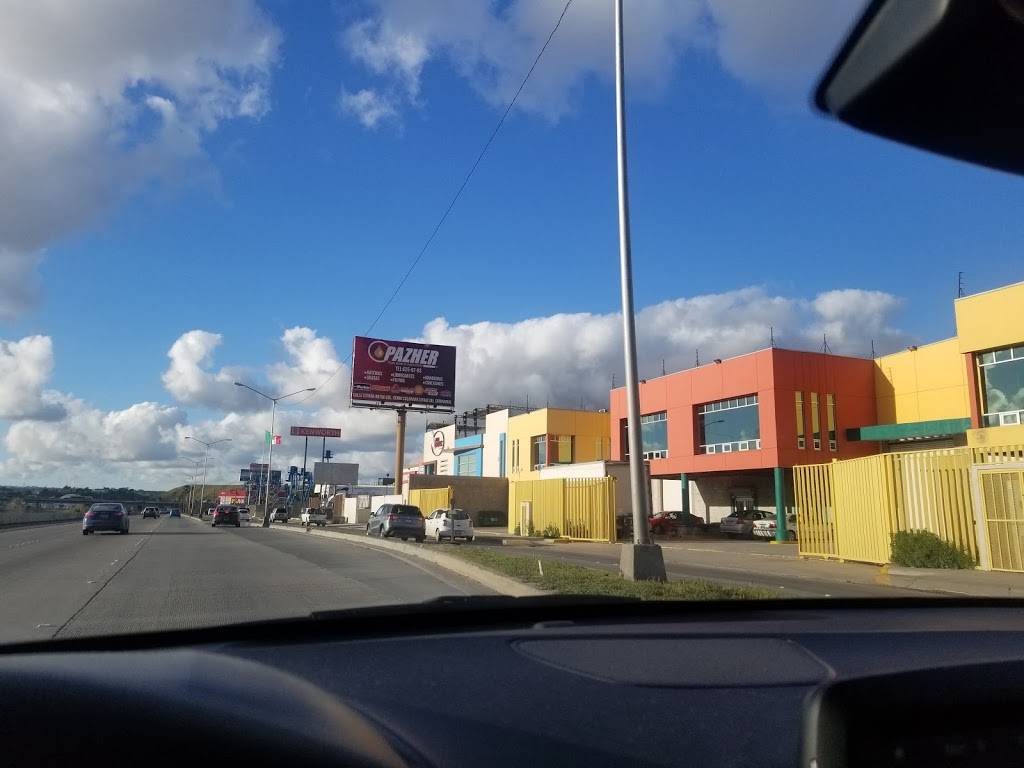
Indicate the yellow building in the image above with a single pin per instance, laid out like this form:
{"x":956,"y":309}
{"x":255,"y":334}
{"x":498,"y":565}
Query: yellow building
{"x":550,"y":436}
{"x":937,"y":392}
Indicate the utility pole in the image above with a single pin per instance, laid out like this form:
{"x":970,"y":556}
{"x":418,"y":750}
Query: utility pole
{"x":959,"y":285}
{"x":399,"y":449}
{"x":640,"y":560}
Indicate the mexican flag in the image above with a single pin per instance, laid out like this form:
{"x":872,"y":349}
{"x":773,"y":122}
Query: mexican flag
{"x":269,"y":438}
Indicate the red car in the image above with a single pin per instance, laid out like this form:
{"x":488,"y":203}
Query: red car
{"x":666,"y":522}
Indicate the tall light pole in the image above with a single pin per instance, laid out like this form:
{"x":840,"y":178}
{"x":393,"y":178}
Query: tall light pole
{"x":206,"y":454}
{"x":642,"y":559}
{"x":270,"y":455}
{"x":192,"y":482}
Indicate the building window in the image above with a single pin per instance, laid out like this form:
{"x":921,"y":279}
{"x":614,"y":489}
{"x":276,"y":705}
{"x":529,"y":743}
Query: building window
{"x":468,"y":463}
{"x":501,"y":455}
{"x":729,"y":425}
{"x":539,"y":451}
{"x":654,"y":435}
{"x":830,"y":415}
{"x":801,"y":442}
{"x":1002,"y":386}
{"x":815,"y":422}
{"x":515,"y":456}
{"x":430,"y":469}
{"x":562,"y":449}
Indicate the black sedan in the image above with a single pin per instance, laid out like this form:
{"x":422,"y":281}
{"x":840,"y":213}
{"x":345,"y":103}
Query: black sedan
{"x":105,"y":517}
{"x":226,"y":514}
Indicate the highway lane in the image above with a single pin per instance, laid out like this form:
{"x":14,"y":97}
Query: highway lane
{"x":179,"y":572}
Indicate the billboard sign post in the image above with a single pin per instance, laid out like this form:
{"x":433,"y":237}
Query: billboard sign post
{"x":308,"y":432}
{"x":402,"y":376}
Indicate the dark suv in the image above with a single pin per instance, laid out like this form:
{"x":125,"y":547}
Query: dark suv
{"x":226,"y":514}
{"x":402,"y":520}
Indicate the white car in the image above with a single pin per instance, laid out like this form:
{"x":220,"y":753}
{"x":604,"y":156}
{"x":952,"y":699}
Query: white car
{"x":439,"y":524}
{"x":765,"y":529}
{"x":244,"y":515}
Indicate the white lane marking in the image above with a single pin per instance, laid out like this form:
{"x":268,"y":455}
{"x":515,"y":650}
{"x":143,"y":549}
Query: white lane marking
{"x":91,"y":581}
{"x":40,"y":626}
{"x":703,"y":549}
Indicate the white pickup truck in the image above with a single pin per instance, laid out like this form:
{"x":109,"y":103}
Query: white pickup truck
{"x":311,"y":516}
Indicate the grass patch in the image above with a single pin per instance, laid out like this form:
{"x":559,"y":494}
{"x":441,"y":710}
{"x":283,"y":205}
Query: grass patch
{"x":922,"y":549}
{"x":569,"y":579}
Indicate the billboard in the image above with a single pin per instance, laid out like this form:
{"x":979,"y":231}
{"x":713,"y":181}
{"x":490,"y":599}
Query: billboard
{"x":402,"y":375}
{"x":335,"y":474}
{"x":315,"y":432}
{"x":256,"y":474}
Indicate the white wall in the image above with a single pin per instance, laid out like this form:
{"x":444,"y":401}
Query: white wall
{"x":496,"y":424}
{"x":711,"y":496}
{"x":445,"y":464}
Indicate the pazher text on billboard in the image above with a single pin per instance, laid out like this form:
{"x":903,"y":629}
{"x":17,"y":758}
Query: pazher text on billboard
{"x":402,"y":375}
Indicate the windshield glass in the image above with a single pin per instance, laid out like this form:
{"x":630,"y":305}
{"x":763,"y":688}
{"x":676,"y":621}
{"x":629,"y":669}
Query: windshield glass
{"x":390,"y":247}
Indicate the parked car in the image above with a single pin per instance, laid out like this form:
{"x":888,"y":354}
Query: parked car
{"x":226,"y":514}
{"x":665,"y":522}
{"x":175,"y":512}
{"x":153,"y":512}
{"x":314,"y":516}
{"x":244,"y":514}
{"x":400,"y":520}
{"x":765,"y":529}
{"x":105,"y":516}
{"x":742,"y":523}
{"x":438,"y":525}
{"x":279,"y":515}
{"x":209,"y":512}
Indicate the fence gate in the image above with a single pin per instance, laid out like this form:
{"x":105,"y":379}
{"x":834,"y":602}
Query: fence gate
{"x":429,"y":499}
{"x":815,"y":517}
{"x":999,"y":505}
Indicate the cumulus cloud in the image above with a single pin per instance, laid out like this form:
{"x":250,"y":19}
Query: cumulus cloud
{"x":367,"y":106}
{"x":781,"y":46}
{"x":25,"y":368}
{"x":97,"y":97}
{"x":567,"y":359}
{"x":190,"y":383}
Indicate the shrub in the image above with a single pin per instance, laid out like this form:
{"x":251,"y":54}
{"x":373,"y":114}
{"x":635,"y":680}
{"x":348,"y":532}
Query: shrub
{"x":551,"y":532}
{"x":529,"y":530}
{"x":515,"y":532}
{"x":921,"y":549}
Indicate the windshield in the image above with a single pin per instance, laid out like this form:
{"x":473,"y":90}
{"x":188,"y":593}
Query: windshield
{"x":388,"y":247}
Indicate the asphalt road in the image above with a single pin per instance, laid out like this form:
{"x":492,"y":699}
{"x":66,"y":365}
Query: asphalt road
{"x":180,"y":573}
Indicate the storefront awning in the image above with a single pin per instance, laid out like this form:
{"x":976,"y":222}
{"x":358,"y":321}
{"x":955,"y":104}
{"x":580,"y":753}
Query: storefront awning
{"x":914,"y":430}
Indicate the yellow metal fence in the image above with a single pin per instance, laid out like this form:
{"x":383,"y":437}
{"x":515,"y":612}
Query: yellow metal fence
{"x":429,"y":499}
{"x":581,"y":509}
{"x":850,"y":509}
{"x":1001,"y":495}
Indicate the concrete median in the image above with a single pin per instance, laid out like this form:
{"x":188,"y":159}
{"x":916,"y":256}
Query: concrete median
{"x":489,"y":579}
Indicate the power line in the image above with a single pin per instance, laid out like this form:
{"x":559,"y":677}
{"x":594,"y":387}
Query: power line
{"x":455,"y":197}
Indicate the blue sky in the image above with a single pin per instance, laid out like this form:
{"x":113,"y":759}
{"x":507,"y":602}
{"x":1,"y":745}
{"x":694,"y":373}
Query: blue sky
{"x":302,"y":216}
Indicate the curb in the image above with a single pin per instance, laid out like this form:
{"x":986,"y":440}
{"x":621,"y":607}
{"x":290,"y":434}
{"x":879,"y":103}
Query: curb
{"x":501,"y":584}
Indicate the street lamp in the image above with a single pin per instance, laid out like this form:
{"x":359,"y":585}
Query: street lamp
{"x":192,"y":481}
{"x":206,"y":453}
{"x":270,"y":456}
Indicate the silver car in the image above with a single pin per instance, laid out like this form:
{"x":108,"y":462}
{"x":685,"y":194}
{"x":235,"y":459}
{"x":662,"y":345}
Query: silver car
{"x":742,"y":523}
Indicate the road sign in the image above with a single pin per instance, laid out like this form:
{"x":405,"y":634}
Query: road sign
{"x":315,"y":432}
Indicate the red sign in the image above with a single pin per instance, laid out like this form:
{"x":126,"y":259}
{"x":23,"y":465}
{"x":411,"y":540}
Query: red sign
{"x":402,"y":375}
{"x":315,"y":432}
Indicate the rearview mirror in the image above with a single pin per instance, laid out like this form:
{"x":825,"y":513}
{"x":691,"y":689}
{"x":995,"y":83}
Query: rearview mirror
{"x":942,"y":75}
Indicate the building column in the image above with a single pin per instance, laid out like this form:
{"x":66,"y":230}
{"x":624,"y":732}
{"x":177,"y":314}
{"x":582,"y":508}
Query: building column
{"x":684,"y":494}
{"x":657,"y":497}
{"x":780,"y":503}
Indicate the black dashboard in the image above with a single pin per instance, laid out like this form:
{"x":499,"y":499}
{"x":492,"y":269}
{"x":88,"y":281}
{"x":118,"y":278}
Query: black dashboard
{"x":820,"y":685}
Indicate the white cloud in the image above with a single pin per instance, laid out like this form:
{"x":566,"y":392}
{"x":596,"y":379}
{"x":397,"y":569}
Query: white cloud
{"x":190,"y":383}
{"x":25,"y":368}
{"x":567,"y":359}
{"x":367,"y":106}
{"x":781,"y":45}
{"x":97,"y":97}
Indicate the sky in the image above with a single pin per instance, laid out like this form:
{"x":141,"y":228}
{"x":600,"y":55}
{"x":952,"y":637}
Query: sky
{"x":196,"y":193}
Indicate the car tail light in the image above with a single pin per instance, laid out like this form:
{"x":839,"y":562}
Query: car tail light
{"x":392,"y":517}
{"x":90,"y":514}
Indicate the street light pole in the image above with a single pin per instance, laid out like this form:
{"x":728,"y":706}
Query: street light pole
{"x":641,"y":560}
{"x":206,"y":454}
{"x":270,"y":456}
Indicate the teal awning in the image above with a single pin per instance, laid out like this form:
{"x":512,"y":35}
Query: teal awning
{"x":914,"y":430}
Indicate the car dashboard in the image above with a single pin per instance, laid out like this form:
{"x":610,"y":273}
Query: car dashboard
{"x":818,"y":685}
